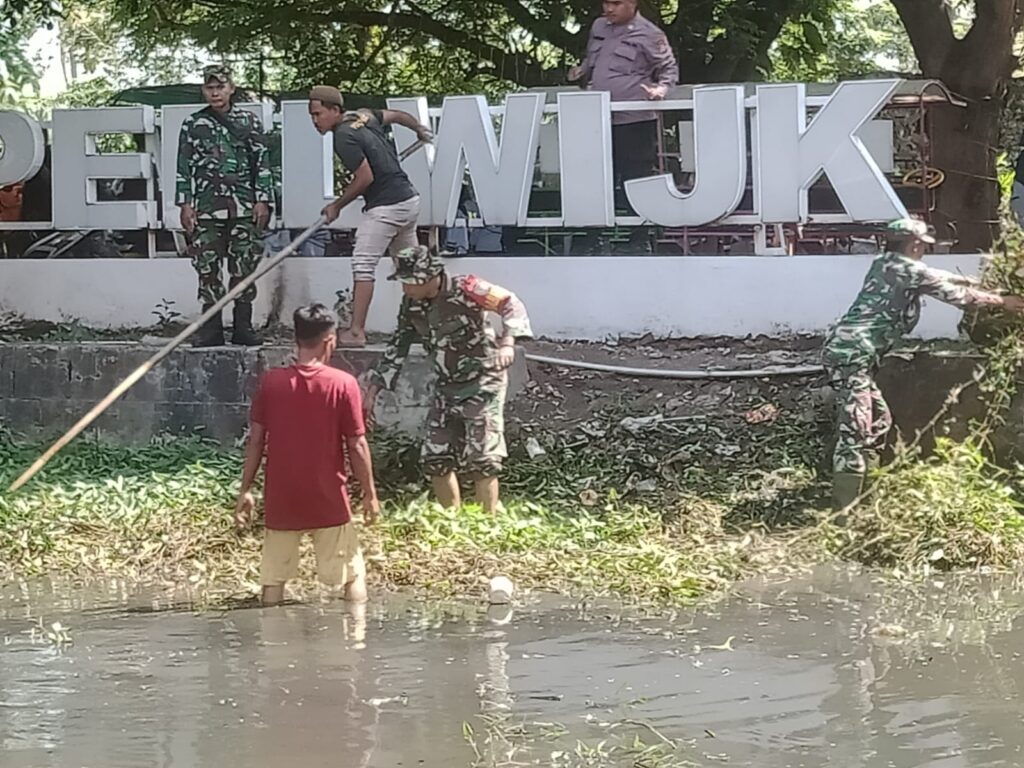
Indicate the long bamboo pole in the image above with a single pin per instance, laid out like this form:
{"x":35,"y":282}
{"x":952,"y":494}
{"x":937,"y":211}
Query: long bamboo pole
{"x":173,"y":344}
{"x":164,"y":351}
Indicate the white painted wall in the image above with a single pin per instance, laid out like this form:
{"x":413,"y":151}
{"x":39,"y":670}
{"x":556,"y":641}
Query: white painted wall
{"x":568,"y":298}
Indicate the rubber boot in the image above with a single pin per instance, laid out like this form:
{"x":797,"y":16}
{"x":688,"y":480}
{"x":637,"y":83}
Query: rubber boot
{"x":212,"y":332}
{"x":846,"y":487}
{"x":874,"y":461}
{"x":242,"y":332}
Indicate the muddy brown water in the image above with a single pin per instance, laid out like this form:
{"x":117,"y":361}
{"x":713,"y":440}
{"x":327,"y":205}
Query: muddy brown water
{"x":835,"y":668}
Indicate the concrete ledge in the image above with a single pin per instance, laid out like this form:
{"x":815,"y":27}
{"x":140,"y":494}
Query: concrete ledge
{"x":569,"y":298}
{"x":46,"y":388}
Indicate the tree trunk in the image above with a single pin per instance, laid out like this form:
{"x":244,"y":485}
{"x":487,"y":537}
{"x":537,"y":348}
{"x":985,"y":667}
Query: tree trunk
{"x":977,"y":67}
{"x":964,"y":142}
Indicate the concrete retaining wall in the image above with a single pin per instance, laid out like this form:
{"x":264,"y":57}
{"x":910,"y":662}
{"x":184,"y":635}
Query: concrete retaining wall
{"x":46,"y":388}
{"x":569,"y":298}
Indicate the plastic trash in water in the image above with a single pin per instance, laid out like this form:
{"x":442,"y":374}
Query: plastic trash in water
{"x":500,"y":591}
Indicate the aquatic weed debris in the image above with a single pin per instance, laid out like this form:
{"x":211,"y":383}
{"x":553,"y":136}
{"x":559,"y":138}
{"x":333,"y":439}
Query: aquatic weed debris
{"x":654,"y":494}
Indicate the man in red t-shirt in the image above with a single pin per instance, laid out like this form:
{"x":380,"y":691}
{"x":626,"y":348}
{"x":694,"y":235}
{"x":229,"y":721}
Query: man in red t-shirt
{"x":306,"y":417}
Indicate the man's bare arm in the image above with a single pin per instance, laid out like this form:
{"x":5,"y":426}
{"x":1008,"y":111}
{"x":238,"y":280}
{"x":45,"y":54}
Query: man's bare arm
{"x":361,"y":181}
{"x":254,"y":450}
{"x":362,"y":469}
{"x":397,"y":117}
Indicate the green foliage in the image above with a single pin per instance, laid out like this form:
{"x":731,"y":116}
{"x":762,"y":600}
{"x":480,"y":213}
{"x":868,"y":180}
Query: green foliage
{"x":1011,"y":128}
{"x":453,"y":46}
{"x":96,"y":53}
{"x":619,"y":549}
{"x":500,"y":740}
{"x":165,"y":508}
{"x":450,"y":46}
{"x":99,"y":507}
{"x":954,"y":510}
{"x":849,"y":40}
{"x":18,"y":22}
{"x":1006,"y":173}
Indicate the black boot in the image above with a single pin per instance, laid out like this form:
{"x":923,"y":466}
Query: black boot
{"x":241,"y":330}
{"x":212,"y":332}
{"x":874,"y":461}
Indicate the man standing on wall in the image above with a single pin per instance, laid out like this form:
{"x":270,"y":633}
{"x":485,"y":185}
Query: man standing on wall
{"x":306,"y":418}
{"x":630,"y":57}
{"x":466,"y":425}
{"x":392,"y":205}
{"x":224,"y":188}
{"x":887,"y":308}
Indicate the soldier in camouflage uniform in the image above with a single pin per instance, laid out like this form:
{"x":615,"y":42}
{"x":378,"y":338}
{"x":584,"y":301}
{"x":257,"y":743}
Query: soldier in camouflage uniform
{"x":224,"y":188}
{"x":447,"y":313}
{"x":887,"y":308}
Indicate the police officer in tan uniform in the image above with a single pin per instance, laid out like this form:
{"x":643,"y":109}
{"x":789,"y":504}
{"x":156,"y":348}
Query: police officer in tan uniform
{"x":629,"y":56}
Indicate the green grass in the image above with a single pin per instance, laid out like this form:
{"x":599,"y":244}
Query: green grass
{"x":578,"y":520}
{"x":164,"y":510}
{"x":953,"y":510}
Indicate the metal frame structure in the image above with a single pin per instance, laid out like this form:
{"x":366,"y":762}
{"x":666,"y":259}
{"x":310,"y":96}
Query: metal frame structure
{"x":912,"y":106}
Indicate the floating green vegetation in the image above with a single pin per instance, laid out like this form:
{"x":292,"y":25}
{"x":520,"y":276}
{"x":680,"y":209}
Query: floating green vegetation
{"x":499,"y":740}
{"x":164,"y":510}
{"x":955,"y":509}
{"x":615,"y":502}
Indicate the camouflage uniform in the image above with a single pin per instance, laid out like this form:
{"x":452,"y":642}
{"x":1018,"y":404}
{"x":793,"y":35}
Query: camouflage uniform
{"x":223,"y":173}
{"x":887,"y":308}
{"x":465,"y":426}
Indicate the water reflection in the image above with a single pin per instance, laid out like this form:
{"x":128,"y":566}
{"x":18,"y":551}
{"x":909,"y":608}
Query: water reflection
{"x":836,"y":668}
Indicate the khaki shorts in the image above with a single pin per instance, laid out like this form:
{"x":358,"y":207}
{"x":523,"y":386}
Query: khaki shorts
{"x":339,"y":559}
{"x":383,"y":229}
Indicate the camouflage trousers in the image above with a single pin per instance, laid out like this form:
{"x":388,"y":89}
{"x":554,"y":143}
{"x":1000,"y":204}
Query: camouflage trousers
{"x":864,"y":417}
{"x":466,"y":434}
{"x":213,"y":242}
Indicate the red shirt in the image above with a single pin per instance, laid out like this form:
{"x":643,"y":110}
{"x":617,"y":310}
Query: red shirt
{"x":307,"y":411}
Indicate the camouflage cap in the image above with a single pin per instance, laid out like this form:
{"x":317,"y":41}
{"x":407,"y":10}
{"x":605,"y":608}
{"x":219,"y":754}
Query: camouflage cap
{"x":219,"y":72}
{"x":911,"y":228}
{"x":415,"y":266}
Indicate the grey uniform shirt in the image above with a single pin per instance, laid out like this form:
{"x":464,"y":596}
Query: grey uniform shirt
{"x":623,"y":57}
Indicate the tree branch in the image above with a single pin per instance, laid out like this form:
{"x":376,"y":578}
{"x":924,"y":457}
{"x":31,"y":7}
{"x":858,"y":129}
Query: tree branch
{"x":519,"y":68}
{"x":555,"y":33}
{"x":930,"y":31}
{"x":690,"y":30}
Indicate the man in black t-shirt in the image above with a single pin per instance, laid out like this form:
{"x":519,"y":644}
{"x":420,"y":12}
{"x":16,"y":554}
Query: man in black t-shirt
{"x":392,"y":205}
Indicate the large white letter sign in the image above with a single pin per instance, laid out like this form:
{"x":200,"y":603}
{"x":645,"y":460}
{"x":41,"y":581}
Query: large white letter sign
{"x":585,"y":157}
{"x":21,"y":147}
{"x":307,"y":171}
{"x":502,"y":176}
{"x":417,"y":166}
{"x":78,"y":163}
{"x":171,"y":119}
{"x":792,"y":154}
{"x":720,"y":141}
